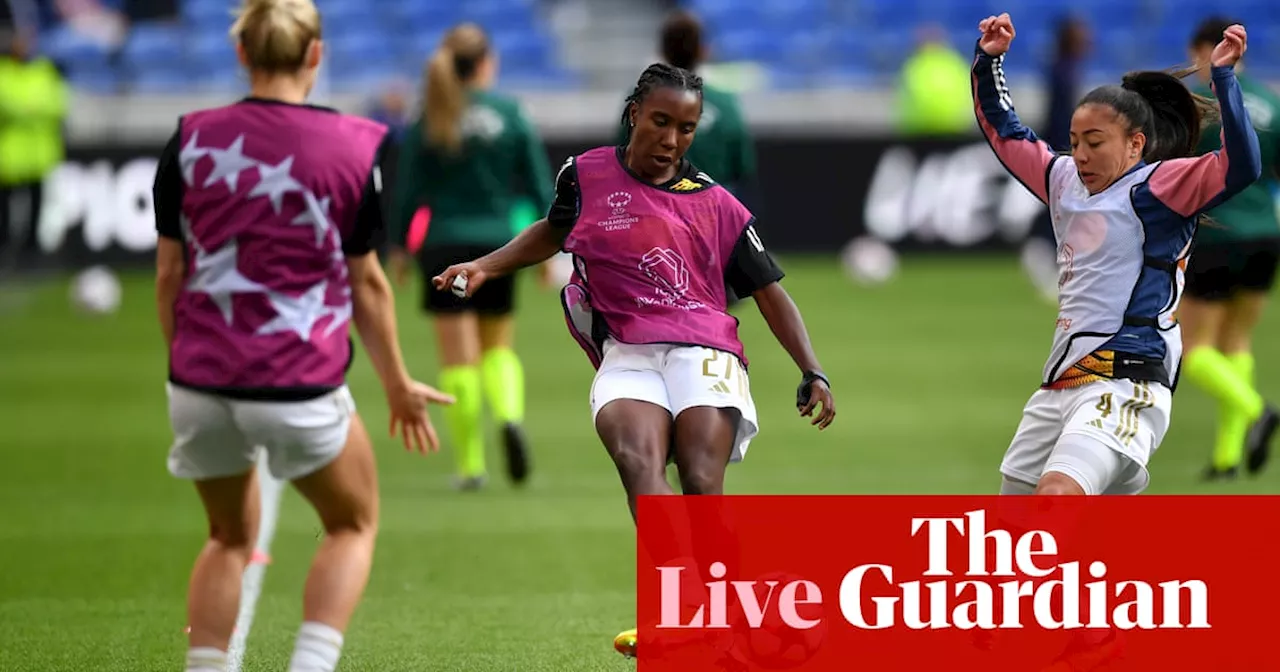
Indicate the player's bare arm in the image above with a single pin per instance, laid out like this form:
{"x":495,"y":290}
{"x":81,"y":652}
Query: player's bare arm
{"x":170,"y":269}
{"x":784,"y":319}
{"x":534,"y":245}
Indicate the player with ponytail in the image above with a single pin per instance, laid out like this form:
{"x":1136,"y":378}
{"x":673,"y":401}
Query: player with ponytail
{"x":1125,"y":204}
{"x":464,"y":167}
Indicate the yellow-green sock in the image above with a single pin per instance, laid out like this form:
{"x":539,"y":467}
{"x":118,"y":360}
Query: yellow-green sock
{"x":1233,"y":424}
{"x":1214,"y":373}
{"x":464,"y":416}
{"x":503,"y":384}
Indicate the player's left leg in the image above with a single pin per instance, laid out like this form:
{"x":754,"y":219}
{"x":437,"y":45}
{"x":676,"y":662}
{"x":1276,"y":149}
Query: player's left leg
{"x":1112,"y":429}
{"x":209,"y":449}
{"x":501,"y":371}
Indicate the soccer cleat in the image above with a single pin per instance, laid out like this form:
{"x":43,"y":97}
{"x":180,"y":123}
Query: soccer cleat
{"x":1212,"y":473}
{"x":1257,"y":443}
{"x":517,"y":450}
{"x":469,"y":483}
{"x":625,"y":643}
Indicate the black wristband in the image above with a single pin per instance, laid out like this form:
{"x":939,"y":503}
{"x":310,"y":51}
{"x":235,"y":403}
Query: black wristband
{"x":802,"y":392}
{"x":810,"y":376}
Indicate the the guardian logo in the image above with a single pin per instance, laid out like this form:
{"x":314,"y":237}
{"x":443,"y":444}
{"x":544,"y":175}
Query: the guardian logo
{"x":1007,"y":582}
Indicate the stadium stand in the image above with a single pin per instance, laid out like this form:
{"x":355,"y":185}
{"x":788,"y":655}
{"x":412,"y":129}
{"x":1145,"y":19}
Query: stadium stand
{"x":806,"y":43}
{"x":368,"y":41}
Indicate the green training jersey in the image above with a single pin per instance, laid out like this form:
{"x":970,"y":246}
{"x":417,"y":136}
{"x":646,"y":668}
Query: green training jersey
{"x":473,"y":194}
{"x":1251,"y":214}
{"x":722,"y":147}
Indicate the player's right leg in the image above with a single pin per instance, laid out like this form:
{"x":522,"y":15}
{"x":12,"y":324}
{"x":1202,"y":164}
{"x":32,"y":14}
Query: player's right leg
{"x":321,"y":446}
{"x":210,"y":450}
{"x":501,"y":370}
{"x":630,"y":409}
{"x":458,"y":344}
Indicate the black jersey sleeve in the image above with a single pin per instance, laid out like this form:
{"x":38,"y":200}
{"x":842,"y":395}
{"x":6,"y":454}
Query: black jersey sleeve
{"x":751,"y":267}
{"x":166,"y":191}
{"x":567,"y":204}
{"x":371,"y":224}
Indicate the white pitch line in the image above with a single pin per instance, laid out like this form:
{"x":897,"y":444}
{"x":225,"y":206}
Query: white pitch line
{"x":271,"y":491}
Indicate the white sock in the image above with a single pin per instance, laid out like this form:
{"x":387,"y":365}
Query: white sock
{"x":318,"y":649}
{"x":206,"y":659}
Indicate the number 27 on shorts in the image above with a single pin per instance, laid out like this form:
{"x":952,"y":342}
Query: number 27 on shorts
{"x":733,"y":380}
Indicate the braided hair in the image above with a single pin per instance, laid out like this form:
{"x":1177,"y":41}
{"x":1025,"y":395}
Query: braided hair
{"x":659,"y":76}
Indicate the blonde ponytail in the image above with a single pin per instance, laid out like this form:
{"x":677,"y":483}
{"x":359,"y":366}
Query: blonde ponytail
{"x":445,"y":102}
{"x":448,"y":74}
{"x":276,"y":34}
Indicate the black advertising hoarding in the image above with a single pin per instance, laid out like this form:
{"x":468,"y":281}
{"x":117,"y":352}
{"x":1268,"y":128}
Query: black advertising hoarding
{"x":812,"y":196}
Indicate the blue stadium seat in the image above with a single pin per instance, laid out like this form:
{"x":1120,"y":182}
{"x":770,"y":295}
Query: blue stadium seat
{"x":161,"y":78}
{"x":97,"y":78}
{"x":151,"y":44}
{"x":72,"y":48}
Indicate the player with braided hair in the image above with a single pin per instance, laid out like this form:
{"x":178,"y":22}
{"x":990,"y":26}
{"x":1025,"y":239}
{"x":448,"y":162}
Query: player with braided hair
{"x":656,"y":244}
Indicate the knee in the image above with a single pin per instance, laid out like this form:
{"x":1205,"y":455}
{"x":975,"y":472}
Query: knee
{"x":702,"y":479}
{"x":1054,"y":483}
{"x":638,"y":460}
{"x":233,"y":537}
{"x":359,"y":521}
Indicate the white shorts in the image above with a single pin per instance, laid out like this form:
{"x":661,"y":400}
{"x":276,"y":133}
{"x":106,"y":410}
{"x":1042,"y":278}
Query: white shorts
{"x":216,"y":437}
{"x":1101,"y":434}
{"x":676,"y":377}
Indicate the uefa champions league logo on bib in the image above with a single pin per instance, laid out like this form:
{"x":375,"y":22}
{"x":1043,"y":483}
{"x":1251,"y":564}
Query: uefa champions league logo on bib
{"x":618,"y":200}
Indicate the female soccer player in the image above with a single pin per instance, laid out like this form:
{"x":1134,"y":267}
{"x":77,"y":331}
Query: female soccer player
{"x":468,"y":160}
{"x":656,"y":244}
{"x":265,"y":256}
{"x":1124,"y":206}
{"x":1231,"y":271}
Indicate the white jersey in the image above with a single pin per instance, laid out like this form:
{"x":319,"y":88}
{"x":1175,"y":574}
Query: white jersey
{"x":1102,"y":261}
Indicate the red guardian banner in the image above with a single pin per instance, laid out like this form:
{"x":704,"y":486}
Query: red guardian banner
{"x":1017,"y":583}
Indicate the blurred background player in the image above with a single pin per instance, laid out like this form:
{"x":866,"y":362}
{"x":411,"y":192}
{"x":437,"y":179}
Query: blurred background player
{"x":1231,"y":271}
{"x":1126,"y":204}
{"x":724,"y":148}
{"x":33,"y":105}
{"x":933,"y":94}
{"x":468,"y":160}
{"x":671,"y":381}
{"x":265,"y":256}
{"x":1066,"y":68}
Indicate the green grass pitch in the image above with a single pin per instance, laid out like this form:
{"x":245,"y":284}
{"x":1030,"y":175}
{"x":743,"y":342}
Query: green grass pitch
{"x":930,"y":374}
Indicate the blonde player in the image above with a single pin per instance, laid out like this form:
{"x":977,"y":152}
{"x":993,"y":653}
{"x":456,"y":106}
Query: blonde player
{"x":265,"y":258}
{"x":1125,"y":205}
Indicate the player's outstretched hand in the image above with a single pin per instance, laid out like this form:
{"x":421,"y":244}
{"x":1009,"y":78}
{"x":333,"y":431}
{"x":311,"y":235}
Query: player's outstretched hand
{"x":465,"y":278}
{"x":409,"y":416}
{"x":1231,"y":48}
{"x":997,"y":34}
{"x":813,"y":392}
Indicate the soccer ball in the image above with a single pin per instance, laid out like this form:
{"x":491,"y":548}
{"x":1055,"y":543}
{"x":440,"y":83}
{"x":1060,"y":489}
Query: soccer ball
{"x":775,"y":645}
{"x":869,"y":261}
{"x":96,"y":291}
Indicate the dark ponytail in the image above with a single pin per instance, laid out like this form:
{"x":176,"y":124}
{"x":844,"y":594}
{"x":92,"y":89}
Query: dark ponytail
{"x":1177,"y":115}
{"x":1162,"y":107}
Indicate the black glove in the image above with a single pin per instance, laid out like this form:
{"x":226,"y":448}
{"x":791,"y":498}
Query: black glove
{"x":804,"y":392}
